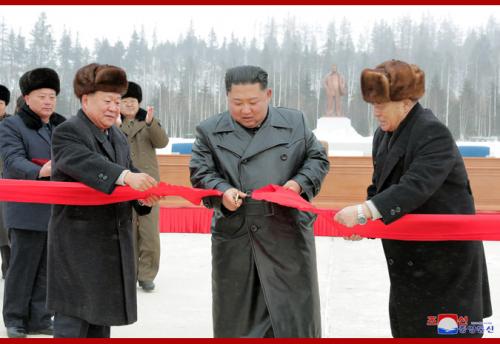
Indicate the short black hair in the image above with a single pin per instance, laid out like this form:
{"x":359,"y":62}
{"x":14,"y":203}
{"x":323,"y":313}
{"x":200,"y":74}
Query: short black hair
{"x":245,"y":75}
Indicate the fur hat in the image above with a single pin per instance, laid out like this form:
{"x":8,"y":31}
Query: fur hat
{"x":134,"y":91}
{"x":39,"y":78}
{"x":99,"y":77}
{"x":392,"y":81}
{"x":4,"y":94}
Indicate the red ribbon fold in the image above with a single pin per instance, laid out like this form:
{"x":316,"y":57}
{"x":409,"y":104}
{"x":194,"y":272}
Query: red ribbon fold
{"x":410,"y":227}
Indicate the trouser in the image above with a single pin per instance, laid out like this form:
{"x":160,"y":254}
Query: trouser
{"x":4,"y":243}
{"x":66,"y":326}
{"x":5,"y":253}
{"x":25,"y":293}
{"x":147,"y":244}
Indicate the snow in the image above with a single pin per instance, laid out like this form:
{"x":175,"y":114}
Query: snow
{"x":353,"y":279}
{"x":344,"y":140}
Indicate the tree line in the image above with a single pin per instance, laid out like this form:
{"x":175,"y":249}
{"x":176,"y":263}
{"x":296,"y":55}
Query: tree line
{"x":184,"y":79}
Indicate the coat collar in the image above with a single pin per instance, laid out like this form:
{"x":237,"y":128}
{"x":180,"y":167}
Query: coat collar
{"x":139,"y":123}
{"x":275,"y":131}
{"x":276,"y":119}
{"x":399,"y":144}
{"x":32,"y":121}
{"x":100,"y":136}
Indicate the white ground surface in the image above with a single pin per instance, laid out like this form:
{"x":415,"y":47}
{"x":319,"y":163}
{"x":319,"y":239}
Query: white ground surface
{"x":353,"y":282}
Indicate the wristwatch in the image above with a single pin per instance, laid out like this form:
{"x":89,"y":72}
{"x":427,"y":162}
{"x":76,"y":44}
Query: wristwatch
{"x":362,"y":220}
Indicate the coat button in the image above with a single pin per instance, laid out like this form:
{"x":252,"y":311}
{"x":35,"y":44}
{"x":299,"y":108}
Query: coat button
{"x":393,"y":212}
{"x":254,"y":228}
{"x":410,"y":263}
{"x":390,"y":261}
{"x":105,"y":177}
{"x":398,"y":209}
{"x":244,"y":161}
{"x":100,"y":175}
{"x":283,"y":157}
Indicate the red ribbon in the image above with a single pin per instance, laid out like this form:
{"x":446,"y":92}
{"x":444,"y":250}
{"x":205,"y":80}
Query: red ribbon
{"x":70,"y":193}
{"x":410,"y":227}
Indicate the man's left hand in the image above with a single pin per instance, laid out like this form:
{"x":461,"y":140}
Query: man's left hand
{"x":150,"y":115}
{"x":294,"y":186}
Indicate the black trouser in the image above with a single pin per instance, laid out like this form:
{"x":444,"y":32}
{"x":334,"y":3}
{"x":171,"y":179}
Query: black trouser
{"x":24,"y":302}
{"x":66,"y":326}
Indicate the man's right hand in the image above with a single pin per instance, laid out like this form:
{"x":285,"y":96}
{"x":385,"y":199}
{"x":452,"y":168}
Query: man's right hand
{"x":139,"y":181}
{"x":233,"y":198}
{"x":46,"y":170}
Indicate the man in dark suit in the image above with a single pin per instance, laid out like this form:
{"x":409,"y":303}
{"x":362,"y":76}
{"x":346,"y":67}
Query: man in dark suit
{"x":25,"y":137}
{"x":91,"y":267}
{"x":418,"y":169}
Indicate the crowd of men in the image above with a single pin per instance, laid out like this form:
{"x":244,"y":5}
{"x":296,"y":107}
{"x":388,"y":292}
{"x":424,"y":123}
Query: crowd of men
{"x":72,"y":271}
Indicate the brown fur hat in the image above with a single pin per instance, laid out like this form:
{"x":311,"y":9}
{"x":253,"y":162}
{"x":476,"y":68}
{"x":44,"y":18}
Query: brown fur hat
{"x":392,"y":81}
{"x":100,"y":77}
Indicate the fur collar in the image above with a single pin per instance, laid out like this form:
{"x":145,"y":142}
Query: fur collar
{"x":32,"y":121}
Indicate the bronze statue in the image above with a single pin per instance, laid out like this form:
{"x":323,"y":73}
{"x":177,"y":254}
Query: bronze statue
{"x":335,"y":88}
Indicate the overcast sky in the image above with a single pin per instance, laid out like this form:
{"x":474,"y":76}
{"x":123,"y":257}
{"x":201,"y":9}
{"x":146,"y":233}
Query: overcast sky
{"x":118,"y":22}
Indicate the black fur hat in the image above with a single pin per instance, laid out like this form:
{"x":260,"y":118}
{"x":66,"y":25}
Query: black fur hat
{"x":39,"y":78}
{"x":133,"y":91}
{"x":4,"y":94}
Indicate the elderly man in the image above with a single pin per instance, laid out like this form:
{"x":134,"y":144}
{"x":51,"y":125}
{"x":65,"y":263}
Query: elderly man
{"x":91,"y":269}
{"x":25,"y":138}
{"x":144,"y":134}
{"x":419,"y":170}
{"x":4,"y":238}
{"x":264,"y":276}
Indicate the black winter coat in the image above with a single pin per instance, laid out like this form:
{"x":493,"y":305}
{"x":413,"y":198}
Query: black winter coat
{"x":24,"y":138}
{"x":91,"y":265}
{"x":419,"y":170}
{"x":263,"y":255}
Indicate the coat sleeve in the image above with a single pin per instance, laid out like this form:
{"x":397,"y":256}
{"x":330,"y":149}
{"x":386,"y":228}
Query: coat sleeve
{"x":78,"y":160}
{"x":372,"y":188}
{"x":434,"y":159}
{"x":314,"y":167}
{"x":14,"y":154}
{"x":203,"y":169}
{"x":157,"y":135}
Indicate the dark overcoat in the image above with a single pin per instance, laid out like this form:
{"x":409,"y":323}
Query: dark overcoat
{"x":24,"y":138}
{"x":419,"y":170}
{"x":91,"y":266}
{"x":263,"y":255}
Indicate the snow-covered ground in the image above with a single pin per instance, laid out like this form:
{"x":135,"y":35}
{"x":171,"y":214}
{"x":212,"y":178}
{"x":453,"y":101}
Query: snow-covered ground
{"x":353,"y":281}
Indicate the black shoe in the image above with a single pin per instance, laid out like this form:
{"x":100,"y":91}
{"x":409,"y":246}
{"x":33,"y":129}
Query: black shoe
{"x":48,"y":331}
{"x":147,"y":285}
{"x":16,"y":332}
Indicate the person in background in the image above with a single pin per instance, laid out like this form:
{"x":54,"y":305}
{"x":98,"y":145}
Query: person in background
{"x":4,"y":236}
{"x":417,"y":169}
{"x":27,"y":137}
{"x":144,"y":134}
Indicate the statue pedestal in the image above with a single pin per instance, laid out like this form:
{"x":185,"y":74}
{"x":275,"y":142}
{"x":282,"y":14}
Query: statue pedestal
{"x":342,"y":138}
